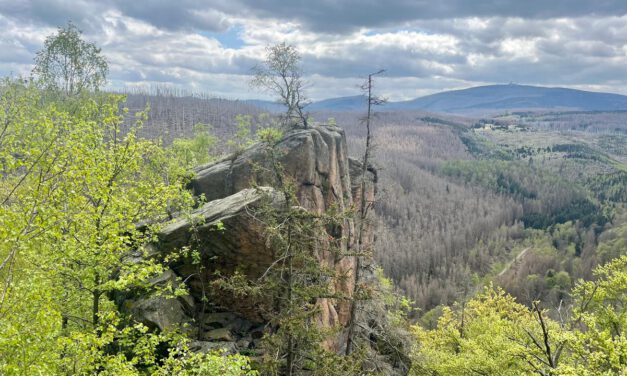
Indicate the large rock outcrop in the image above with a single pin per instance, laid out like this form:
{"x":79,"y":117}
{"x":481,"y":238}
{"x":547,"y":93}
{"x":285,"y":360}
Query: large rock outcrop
{"x":316,"y":160}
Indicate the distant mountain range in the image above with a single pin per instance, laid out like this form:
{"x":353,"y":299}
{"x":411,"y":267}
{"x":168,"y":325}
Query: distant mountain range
{"x":482,"y":99}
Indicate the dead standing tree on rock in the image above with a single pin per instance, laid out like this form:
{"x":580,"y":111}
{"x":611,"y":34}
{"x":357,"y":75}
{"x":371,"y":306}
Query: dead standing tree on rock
{"x":281,"y":74}
{"x":364,"y":208}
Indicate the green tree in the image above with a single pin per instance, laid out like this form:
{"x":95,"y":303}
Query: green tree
{"x":70,"y":65}
{"x":601,"y":345}
{"x":191,"y":152}
{"x":281,"y":74}
{"x":491,"y":335}
{"x":73,"y":191}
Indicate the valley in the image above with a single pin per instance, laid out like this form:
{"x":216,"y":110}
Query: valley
{"x":460,"y":197}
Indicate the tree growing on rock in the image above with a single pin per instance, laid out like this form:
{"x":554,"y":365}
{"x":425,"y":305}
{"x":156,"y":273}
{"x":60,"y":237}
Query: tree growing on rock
{"x":281,"y":74}
{"x":291,"y":289}
{"x":363,"y":214}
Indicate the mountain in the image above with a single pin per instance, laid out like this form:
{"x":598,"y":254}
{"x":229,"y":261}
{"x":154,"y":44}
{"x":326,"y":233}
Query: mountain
{"x":510,"y":97}
{"x":269,"y":106}
{"x":481,"y":99}
{"x":354,"y":103}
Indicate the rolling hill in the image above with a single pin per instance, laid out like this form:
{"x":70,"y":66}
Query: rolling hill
{"x":510,"y":97}
{"x":483,"y":99}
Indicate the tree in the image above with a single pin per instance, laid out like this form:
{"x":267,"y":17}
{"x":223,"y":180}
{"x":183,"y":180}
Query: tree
{"x":70,"y":65}
{"x":194,"y":151}
{"x":289,"y":290}
{"x":72,"y":190}
{"x":364,"y":210}
{"x":491,"y":335}
{"x":497,"y":335}
{"x":281,"y":75}
{"x":600,"y":308}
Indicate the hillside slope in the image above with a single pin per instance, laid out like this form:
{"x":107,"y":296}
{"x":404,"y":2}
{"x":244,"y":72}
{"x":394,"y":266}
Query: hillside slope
{"x":503,"y":97}
{"x":480,"y":99}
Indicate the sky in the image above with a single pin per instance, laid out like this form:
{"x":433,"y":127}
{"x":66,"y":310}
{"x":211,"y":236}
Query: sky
{"x":210,"y":46}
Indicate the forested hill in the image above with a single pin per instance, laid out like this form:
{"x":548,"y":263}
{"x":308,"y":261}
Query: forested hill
{"x":511,"y":97}
{"x":483,"y":99}
{"x":461,"y":196}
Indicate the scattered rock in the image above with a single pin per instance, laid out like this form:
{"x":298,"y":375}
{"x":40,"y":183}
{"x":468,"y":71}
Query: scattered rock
{"x":206,"y":346}
{"x":243,"y":343}
{"x":219,"y":319}
{"x":162,"y":312}
{"x":221,"y":334}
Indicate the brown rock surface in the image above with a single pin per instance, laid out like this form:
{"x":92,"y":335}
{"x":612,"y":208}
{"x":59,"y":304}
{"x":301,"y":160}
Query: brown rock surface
{"x":316,"y":159}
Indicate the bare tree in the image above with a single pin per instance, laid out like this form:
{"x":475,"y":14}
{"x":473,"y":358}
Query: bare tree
{"x":281,"y":74}
{"x":364,"y":207}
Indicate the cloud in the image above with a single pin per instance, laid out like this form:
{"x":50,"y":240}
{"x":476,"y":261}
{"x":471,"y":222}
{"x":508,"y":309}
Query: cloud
{"x":176,"y":15}
{"x":343,"y":15}
{"x":425,"y":46}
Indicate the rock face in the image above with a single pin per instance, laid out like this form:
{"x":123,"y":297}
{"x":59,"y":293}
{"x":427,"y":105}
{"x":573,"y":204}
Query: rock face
{"x":316,"y":160}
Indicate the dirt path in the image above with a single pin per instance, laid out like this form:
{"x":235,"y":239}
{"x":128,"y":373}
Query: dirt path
{"x":517,"y":258}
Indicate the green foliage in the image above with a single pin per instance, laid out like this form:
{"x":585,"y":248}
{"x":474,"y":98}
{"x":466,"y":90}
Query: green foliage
{"x":481,"y":147}
{"x":609,"y":187}
{"x":270,"y":135}
{"x":613,"y":243}
{"x":184,"y":363}
{"x":547,"y":198}
{"x":70,"y":65}
{"x":280,"y":74}
{"x":190,"y":152}
{"x":243,"y":136}
{"x":493,"y":334}
{"x":601,"y":347}
{"x":74,"y":188}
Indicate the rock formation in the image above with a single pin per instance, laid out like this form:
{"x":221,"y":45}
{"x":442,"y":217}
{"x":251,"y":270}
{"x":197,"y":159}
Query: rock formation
{"x":324,"y":176}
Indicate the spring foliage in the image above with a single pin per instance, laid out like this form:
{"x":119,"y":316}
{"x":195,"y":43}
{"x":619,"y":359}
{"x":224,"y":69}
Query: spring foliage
{"x":492,"y":334}
{"x":74,"y":186}
{"x":70,"y":65}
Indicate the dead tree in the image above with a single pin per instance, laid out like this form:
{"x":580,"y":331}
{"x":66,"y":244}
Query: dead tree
{"x":364,"y":208}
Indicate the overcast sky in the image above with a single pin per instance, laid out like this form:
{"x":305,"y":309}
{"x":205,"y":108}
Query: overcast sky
{"x":426,"y":46}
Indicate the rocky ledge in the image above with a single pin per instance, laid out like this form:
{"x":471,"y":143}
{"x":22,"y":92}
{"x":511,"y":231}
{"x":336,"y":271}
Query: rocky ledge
{"x":228,"y":238}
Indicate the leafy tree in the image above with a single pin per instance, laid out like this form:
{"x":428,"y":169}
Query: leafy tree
{"x":281,"y":75}
{"x":73,"y":190}
{"x":68,"y":64}
{"x":243,"y":136}
{"x":492,"y":334}
{"x":191,"y":152}
{"x":601,"y":345}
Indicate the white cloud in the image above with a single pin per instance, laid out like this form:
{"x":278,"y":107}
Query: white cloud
{"x":156,"y":42}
